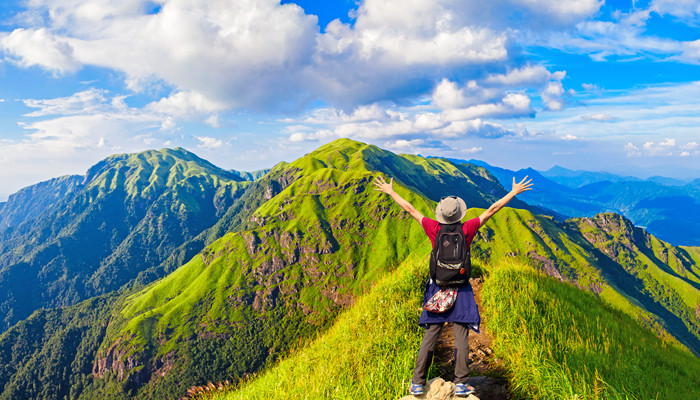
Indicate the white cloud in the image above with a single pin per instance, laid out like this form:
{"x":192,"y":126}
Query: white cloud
{"x":186,"y":105}
{"x":210,"y":143}
{"x":263,"y":55}
{"x":632,"y":150}
{"x":448,"y":96}
{"x":600,"y":117}
{"x":666,"y":148}
{"x":570,"y":137}
{"x":663,"y":148}
{"x":552,"y":96}
{"x":625,"y":36}
{"x":527,"y":75}
{"x":85,"y":102}
{"x":686,"y":10}
{"x":472,"y":150}
{"x":28,"y":47}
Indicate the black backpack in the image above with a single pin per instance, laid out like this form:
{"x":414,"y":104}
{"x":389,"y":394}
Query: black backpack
{"x":450,"y":260}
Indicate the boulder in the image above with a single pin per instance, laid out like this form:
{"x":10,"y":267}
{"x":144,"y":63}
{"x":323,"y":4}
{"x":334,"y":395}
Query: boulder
{"x":438,"y":389}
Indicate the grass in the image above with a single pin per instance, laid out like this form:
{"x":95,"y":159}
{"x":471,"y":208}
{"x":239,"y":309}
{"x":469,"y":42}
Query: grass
{"x":556,"y":342}
{"x":559,"y":342}
{"x":367,"y":354}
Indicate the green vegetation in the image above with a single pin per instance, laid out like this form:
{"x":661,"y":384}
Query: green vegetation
{"x":557,"y":342}
{"x":131,"y":213}
{"x":51,"y":354}
{"x":316,"y":245}
{"x":560,"y":342}
{"x":220,"y":279}
{"x":368,"y":353}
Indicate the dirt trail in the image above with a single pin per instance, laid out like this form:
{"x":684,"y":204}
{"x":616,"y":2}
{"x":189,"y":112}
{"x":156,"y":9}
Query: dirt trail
{"x":486,"y":371}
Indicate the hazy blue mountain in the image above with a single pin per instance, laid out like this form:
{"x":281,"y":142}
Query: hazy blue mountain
{"x":31,"y":201}
{"x":576,"y":179}
{"x":662,"y":206}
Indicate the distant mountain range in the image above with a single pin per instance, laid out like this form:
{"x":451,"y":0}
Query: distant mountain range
{"x":668,"y":208}
{"x":158,"y":271}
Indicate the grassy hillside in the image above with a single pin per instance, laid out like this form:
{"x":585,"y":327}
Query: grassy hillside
{"x":318,"y":243}
{"x":660,"y":277}
{"x":557,"y":342}
{"x":560,"y":342}
{"x":368,"y":353}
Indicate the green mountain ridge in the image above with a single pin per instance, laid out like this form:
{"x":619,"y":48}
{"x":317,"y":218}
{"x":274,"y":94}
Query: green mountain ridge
{"x":298,"y":246}
{"x":132,"y":210}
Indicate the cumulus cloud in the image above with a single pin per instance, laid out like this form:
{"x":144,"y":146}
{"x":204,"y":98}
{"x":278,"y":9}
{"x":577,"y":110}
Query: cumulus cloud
{"x":632,"y":150}
{"x":91,"y":119}
{"x":228,"y":54}
{"x":552,"y":96}
{"x":28,"y":47}
{"x":206,"y":142}
{"x":666,"y":148}
{"x":570,"y":137}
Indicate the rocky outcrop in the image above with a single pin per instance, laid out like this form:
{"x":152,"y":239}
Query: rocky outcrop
{"x":118,"y":362}
{"x":438,"y":389}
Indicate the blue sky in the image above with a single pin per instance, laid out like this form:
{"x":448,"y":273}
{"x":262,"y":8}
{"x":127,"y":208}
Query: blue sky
{"x":584,"y":84}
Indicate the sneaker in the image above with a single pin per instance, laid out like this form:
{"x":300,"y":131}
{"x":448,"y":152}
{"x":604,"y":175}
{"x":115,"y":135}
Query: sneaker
{"x":463,"y":389}
{"x":416,"y":389}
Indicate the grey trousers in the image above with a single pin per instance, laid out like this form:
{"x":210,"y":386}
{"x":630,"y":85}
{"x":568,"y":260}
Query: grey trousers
{"x":427,"y":346}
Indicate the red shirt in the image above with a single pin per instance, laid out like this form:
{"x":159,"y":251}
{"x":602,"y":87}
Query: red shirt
{"x":432,"y":228}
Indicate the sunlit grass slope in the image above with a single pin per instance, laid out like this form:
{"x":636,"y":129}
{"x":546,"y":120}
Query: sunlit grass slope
{"x":319,"y":241}
{"x":665,"y":277}
{"x":367,"y":354}
{"x":559,"y":342}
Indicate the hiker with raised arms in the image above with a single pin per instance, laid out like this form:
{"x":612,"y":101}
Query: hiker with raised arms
{"x":448,"y":294}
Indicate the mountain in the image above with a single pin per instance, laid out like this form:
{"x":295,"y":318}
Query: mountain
{"x":30,"y":202}
{"x":671,"y":212}
{"x":252,"y":176}
{"x":129,"y":213}
{"x":304,"y":243}
{"x":576,"y":179}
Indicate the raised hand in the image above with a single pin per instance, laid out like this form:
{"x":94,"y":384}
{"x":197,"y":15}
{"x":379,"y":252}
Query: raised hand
{"x":522,"y":186}
{"x":383,"y":186}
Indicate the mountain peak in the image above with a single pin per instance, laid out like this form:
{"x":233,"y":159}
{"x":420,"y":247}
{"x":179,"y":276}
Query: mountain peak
{"x":139,"y":171}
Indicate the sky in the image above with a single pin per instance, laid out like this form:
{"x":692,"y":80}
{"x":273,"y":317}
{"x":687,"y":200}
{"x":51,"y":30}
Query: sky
{"x":584,"y":84}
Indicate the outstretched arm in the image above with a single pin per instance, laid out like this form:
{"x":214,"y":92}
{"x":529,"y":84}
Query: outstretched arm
{"x":496,"y":207}
{"x":388,"y":188}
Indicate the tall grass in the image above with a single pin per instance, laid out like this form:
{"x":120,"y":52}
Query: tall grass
{"x":559,"y":342}
{"x":367,"y":354}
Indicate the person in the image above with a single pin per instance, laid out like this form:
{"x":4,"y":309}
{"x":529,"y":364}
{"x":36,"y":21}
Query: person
{"x":464,"y":314}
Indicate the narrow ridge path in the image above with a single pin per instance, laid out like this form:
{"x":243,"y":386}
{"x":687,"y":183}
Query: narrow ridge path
{"x":486,"y":371}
